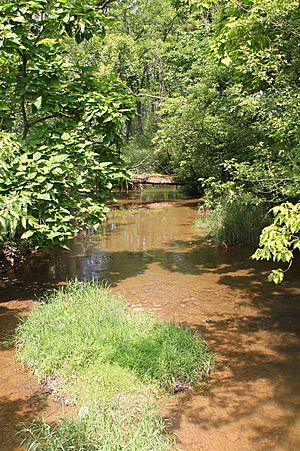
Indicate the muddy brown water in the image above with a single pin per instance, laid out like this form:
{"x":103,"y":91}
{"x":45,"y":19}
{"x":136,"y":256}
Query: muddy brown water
{"x":155,"y":259}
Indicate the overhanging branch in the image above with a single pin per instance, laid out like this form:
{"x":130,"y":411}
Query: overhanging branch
{"x":50,"y":116}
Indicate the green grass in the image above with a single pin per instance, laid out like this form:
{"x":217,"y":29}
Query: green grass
{"x":109,"y":430}
{"x":237,"y":223}
{"x":202,"y":222}
{"x":113,"y":362}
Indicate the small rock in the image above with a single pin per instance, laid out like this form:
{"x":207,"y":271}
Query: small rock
{"x":181,"y":387}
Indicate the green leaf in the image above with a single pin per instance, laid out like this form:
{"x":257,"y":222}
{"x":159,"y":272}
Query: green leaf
{"x":59,"y":158}
{"x":65,"y":136}
{"x":27,"y":234}
{"x":37,"y":156}
{"x":276,"y":276}
{"x":24,"y":221}
{"x":38,"y":102}
{"x":43,"y":196}
{"x":226,"y":61}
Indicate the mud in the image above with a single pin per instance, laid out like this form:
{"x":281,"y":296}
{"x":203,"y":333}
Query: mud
{"x":157,"y":260}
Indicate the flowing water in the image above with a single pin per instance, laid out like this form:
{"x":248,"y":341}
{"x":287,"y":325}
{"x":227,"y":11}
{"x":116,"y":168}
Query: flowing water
{"x":153,"y":256}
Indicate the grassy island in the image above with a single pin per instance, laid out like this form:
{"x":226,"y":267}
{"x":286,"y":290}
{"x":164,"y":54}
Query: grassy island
{"x":113,"y":363}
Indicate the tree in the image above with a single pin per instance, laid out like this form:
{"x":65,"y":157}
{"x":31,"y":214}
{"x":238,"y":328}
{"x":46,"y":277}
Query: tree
{"x":61,"y":124}
{"x":260,"y":40}
{"x":135,"y":49}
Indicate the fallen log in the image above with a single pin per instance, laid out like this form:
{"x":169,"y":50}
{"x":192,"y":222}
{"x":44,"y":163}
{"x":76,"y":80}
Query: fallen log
{"x":145,"y":179}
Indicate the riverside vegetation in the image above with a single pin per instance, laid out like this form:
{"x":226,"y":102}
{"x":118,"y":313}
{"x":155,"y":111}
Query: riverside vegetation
{"x":215,"y":88}
{"x":206,"y":90}
{"x":114,"y":363}
{"x":224,"y":223}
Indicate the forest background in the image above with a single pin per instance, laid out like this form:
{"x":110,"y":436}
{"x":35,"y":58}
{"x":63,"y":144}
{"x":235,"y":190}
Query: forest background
{"x":206,"y":90}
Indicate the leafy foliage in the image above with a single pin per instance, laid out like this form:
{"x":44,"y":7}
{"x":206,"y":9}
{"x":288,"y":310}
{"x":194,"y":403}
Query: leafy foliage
{"x":279,"y":241}
{"x":61,"y":123}
{"x":52,"y":193}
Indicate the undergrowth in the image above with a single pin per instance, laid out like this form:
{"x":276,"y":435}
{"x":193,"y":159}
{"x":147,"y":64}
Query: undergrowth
{"x":236,"y":223}
{"x":113,"y":362}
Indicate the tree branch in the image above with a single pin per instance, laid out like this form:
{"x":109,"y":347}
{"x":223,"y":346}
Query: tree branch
{"x":23,"y":105}
{"x":151,"y":97}
{"x":50,"y":116}
{"x":270,"y":180}
{"x":105,"y":3}
{"x":169,"y":28}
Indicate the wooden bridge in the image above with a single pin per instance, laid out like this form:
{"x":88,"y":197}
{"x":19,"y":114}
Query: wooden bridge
{"x":145,"y":179}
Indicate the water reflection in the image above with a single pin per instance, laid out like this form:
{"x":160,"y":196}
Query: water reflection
{"x":125,"y":245}
{"x":152,"y":194}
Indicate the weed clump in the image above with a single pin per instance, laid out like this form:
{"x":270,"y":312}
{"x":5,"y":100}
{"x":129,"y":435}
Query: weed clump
{"x":113,"y":363}
{"x":236,"y":222}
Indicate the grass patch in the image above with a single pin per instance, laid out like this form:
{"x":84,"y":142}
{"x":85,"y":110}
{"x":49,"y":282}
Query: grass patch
{"x":202,"y":222}
{"x":238,"y":222}
{"x":108,"y":430}
{"x":113,"y":362}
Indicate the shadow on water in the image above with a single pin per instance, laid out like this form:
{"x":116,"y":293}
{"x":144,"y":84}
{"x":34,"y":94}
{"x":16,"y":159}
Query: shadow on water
{"x":156,"y":259}
{"x":19,"y":412}
{"x":256,"y":385}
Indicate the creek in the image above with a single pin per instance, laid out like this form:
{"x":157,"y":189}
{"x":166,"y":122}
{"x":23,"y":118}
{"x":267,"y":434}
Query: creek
{"x":149,"y":252}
